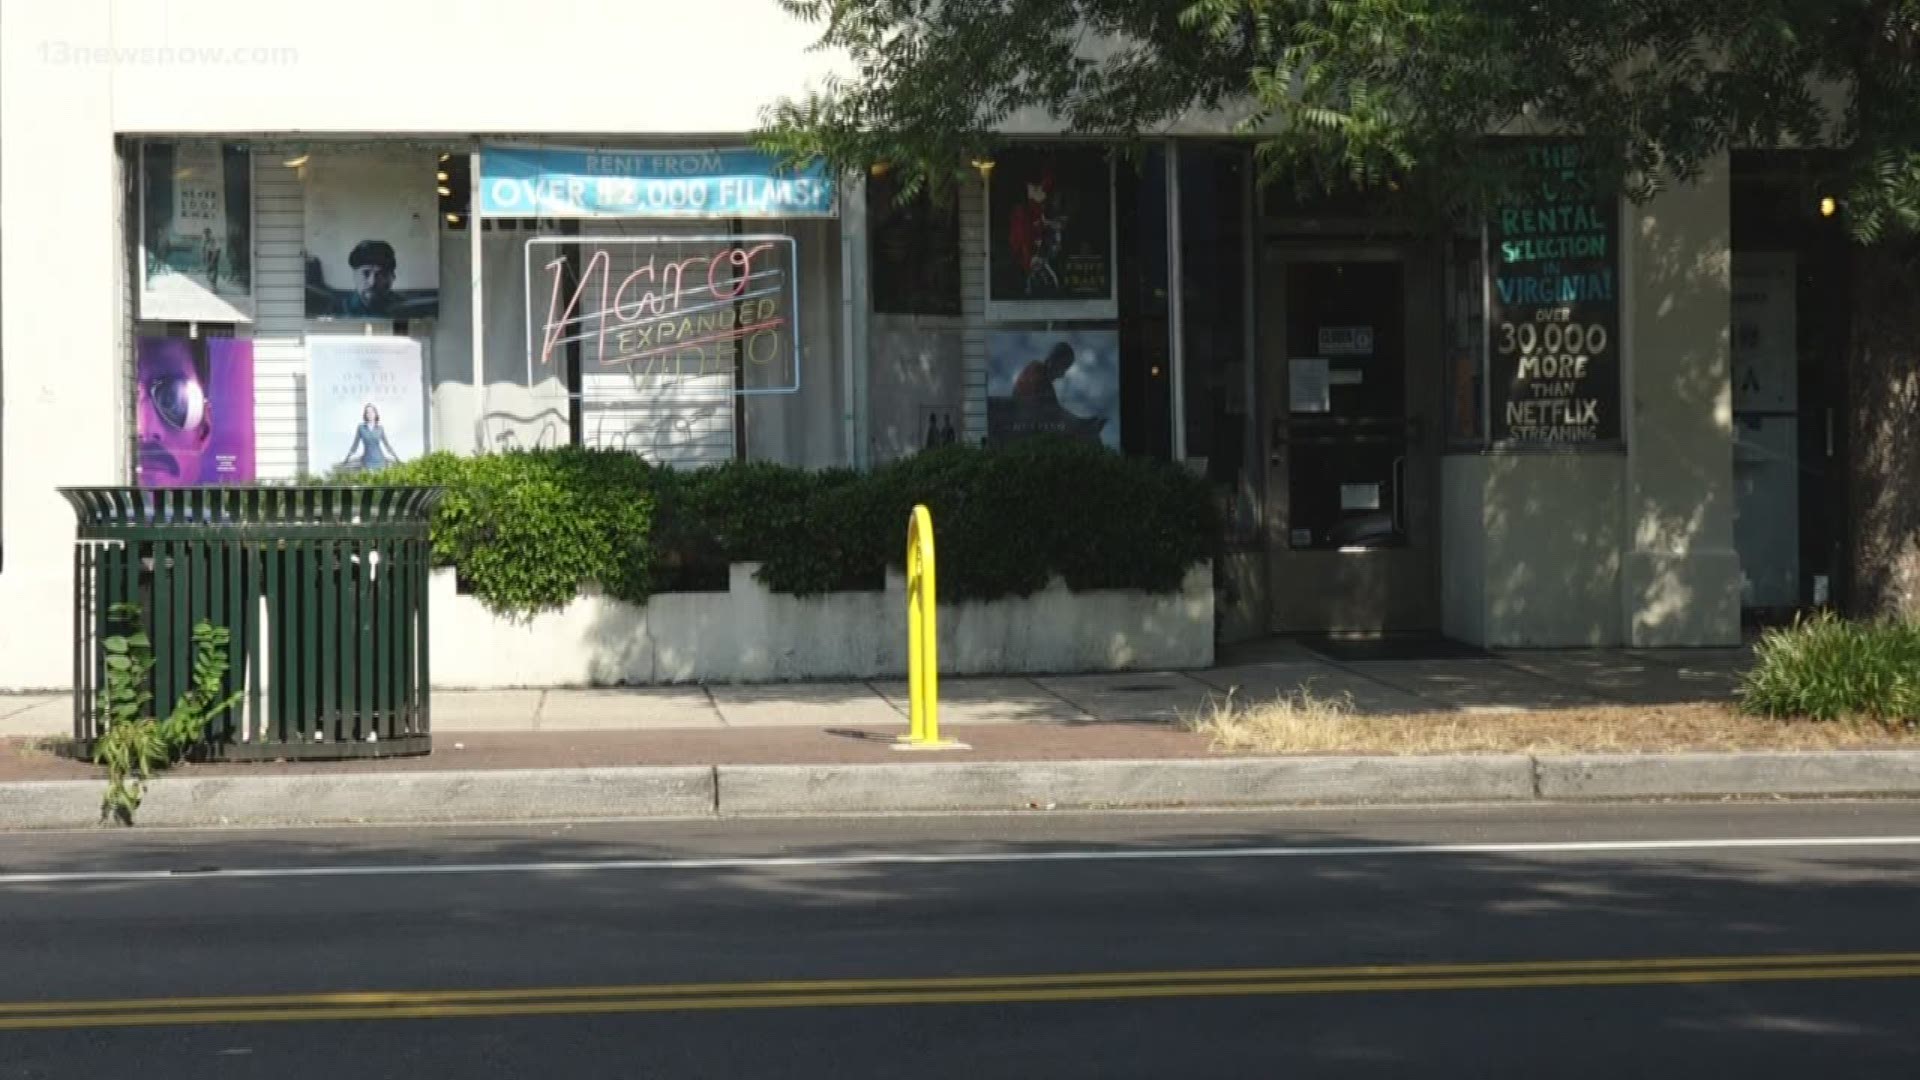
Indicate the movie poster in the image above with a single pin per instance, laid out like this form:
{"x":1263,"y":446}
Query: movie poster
{"x":196,"y":232}
{"x":1054,"y":383}
{"x":194,"y":416}
{"x":373,"y":235}
{"x":1050,"y":233}
{"x":366,"y":403}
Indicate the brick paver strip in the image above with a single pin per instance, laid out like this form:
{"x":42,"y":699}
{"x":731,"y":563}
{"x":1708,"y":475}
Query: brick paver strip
{"x":757,"y":746}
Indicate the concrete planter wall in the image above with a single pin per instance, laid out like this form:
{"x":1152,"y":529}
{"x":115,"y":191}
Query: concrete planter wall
{"x":749,"y":634}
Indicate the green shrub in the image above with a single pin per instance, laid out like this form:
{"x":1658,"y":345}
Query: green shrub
{"x":1006,"y":521}
{"x":996,"y":531}
{"x":686,"y":552}
{"x":525,"y":529}
{"x":1828,"y":668}
{"x":828,"y":536}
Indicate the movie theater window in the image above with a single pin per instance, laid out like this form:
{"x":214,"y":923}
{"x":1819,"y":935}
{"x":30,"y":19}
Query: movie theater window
{"x":913,"y":249}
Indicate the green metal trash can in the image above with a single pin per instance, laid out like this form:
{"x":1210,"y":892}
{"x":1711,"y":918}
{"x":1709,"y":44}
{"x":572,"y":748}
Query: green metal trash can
{"x":323,"y":588}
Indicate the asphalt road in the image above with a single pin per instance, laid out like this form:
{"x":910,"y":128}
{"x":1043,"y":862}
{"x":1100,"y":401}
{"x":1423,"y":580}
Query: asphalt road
{"x":1751,"y":940}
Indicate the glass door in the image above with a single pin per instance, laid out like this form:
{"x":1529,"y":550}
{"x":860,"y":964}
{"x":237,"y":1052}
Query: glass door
{"x":1350,"y":474}
{"x":1346,"y":424}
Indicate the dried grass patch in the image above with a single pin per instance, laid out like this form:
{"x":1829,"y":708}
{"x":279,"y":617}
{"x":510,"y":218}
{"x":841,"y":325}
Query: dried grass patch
{"x":38,"y":745}
{"x":1304,"y":723}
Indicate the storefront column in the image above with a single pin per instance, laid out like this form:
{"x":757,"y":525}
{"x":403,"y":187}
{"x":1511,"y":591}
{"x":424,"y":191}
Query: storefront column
{"x":1680,"y":577}
{"x":855,"y":302}
{"x":65,"y":367}
{"x":1530,"y":549}
{"x":475,"y":242}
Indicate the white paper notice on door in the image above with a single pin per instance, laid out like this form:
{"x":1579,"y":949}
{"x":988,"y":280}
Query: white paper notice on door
{"x":1309,"y":387}
{"x":1346,"y":340}
{"x":1359,"y":496}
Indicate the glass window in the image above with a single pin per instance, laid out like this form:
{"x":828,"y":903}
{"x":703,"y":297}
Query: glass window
{"x":1214,"y":231}
{"x":1146,"y":414}
{"x":913,"y":250}
{"x":1466,"y":355}
{"x":1078,"y":334}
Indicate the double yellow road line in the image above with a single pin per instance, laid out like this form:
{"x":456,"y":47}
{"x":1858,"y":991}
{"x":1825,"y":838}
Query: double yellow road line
{"x":975,"y":990}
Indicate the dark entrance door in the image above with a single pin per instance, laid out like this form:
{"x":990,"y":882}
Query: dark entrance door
{"x":1351,"y":478}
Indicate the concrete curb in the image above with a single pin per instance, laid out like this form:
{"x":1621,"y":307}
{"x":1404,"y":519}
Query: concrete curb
{"x":50,"y":804}
{"x":1648,"y":776}
{"x":396,"y":798}
{"x":709,"y":791}
{"x":1235,"y":782}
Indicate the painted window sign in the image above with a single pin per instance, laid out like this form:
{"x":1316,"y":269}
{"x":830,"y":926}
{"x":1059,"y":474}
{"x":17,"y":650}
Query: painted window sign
{"x":522,"y":182}
{"x":666,"y":309}
{"x":1555,"y":306}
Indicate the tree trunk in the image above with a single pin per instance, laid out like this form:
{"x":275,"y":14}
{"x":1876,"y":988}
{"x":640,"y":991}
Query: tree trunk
{"x":1884,"y":434}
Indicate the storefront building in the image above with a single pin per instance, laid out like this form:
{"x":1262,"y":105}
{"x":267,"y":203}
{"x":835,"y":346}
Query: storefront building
{"x":404,"y":229}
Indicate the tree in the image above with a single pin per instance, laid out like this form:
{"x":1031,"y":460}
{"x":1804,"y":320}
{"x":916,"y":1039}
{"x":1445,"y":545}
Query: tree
{"x":1338,"y":89}
{"x":1337,"y":92}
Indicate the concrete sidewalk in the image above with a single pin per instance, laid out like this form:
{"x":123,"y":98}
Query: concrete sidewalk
{"x":1091,"y":742}
{"x":1088,"y":742}
{"x":1504,"y":682}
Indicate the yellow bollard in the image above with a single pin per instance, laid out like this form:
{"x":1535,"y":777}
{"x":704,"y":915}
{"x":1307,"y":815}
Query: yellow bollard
{"x":923,"y":641}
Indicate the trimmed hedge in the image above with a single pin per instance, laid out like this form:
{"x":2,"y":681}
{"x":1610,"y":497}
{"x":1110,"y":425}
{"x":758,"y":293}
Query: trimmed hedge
{"x":526,"y":529}
{"x":1827,"y":668}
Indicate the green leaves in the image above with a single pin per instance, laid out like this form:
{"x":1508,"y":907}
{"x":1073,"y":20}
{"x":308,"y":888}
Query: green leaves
{"x":1339,"y":92}
{"x":1827,"y":668}
{"x":132,"y":745}
{"x":527,"y":529}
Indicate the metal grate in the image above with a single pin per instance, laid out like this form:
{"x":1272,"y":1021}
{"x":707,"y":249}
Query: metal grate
{"x":323,"y":588}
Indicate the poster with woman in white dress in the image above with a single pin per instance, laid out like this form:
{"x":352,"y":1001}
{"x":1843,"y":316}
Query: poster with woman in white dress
{"x":366,"y":403}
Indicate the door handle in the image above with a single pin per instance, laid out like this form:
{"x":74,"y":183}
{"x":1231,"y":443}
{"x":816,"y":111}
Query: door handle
{"x":1829,"y":431}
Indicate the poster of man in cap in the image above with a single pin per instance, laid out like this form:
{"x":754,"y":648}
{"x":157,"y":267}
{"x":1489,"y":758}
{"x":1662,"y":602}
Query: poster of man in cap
{"x":1051,"y":232}
{"x":373,"y":232}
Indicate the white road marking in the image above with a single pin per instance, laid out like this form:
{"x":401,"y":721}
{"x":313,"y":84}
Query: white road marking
{"x":988,"y":858}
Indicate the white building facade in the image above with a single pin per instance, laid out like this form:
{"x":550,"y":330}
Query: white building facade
{"x":1415,"y":509}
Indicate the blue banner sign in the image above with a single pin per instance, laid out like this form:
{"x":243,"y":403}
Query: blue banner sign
{"x":522,"y":182}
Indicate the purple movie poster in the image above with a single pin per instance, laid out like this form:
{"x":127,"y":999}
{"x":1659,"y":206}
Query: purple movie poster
{"x":195,"y":411}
